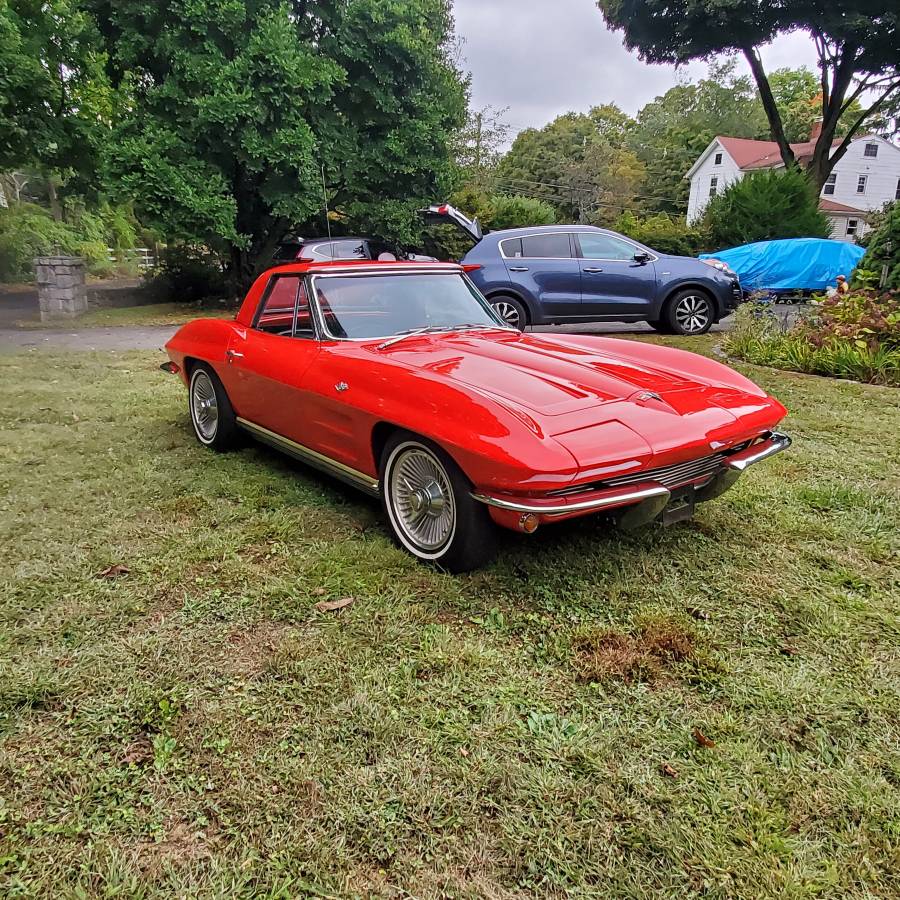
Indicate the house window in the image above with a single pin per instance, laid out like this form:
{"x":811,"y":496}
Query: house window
{"x":852,"y":226}
{"x":718,"y":160}
{"x":861,"y":184}
{"x":714,"y":186}
{"x":830,"y":183}
{"x":897,"y":192}
{"x":871,"y":151}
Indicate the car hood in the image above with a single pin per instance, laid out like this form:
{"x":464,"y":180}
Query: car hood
{"x":651,"y":399}
{"x":554,"y":375}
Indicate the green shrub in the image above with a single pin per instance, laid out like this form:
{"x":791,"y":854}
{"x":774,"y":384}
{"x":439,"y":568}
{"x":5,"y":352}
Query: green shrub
{"x":766,"y":205}
{"x":854,"y":336}
{"x":187,"y":274}
{"x":664,"y":233}
{"x":27,"y":231}
{"x":883,"y":252}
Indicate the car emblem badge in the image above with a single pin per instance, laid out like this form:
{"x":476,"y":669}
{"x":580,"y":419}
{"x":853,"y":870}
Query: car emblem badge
{"x":649,"y":395}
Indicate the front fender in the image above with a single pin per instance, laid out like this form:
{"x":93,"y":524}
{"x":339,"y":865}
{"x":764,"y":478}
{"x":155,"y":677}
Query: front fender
{"x":497,"y":445}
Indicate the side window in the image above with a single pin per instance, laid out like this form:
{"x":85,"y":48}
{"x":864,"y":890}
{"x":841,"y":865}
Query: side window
{"x":512,"y":249}
{"x":605,"y":246}
{"x":546,"y":246}
{"x":276,"y":312}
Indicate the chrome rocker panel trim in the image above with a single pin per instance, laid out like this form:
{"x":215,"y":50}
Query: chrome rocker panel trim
{"x":317,"y":460}
{"x":774,"y":443}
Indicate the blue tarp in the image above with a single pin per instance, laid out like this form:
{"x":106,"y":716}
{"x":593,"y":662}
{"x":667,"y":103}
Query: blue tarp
{"x":801,"y":264}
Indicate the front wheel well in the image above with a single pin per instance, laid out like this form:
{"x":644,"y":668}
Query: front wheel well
{"x":381,"y":434}
{"x":691,"y":287}
{"x":493,"y":295}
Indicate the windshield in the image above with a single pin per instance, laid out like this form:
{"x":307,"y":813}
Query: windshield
{"x":377,"y":306}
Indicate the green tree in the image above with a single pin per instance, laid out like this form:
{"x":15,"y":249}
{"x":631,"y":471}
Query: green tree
{"x":479,"y":145}
{"x":857,"y":43}
{"x":882,"y":259}
{"x":54,"y":97}
{"x":573,"y":163}
{"x":237,"y":107}
{"x":676,"y":127}
{"x":764,"y":205}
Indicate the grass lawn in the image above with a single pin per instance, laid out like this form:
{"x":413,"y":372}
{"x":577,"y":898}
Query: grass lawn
{"x":195,"y":727}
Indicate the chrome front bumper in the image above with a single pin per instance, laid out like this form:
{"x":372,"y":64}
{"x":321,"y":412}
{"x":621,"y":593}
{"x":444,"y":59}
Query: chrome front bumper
{"x":648,"y":497}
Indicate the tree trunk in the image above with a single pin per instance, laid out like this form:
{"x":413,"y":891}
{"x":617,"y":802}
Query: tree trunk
{"x":55,"y":207}
{"x":769,"y":106}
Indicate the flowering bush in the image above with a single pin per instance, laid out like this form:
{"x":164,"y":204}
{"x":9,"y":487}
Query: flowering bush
{"x":854,"y":335}
{"x":862,"y":317}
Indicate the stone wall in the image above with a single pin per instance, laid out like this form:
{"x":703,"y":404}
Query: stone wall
{"x":61,"y":290}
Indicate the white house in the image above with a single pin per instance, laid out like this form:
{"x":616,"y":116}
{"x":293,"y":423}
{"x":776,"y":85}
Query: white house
{"x":865,"y":178}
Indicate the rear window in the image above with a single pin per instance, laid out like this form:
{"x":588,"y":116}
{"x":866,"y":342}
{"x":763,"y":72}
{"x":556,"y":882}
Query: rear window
{"x":287,"y":251}
{"x":546,"y":246}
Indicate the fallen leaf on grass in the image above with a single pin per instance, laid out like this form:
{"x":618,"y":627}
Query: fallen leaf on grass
{"x":701,"y":739}
{"x":667,"y":770}
{"x":332,"y":605}
{"x":319,"y":592}
{"x":463,"y":751}
{"x":116,"y":571}
{"x":789,"y":649}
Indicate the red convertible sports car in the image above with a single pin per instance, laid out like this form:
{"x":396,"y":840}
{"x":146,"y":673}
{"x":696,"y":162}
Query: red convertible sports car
{"x":400,"y":379}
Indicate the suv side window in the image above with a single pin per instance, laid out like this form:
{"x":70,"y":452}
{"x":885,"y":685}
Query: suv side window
{"x":546,"y":246}
{"x":284,"y":295}
{"x":605,"y":246}
{"x":339,"y":249}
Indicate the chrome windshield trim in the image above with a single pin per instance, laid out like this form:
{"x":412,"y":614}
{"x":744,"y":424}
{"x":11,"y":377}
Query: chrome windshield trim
{"x":312,"y":457}
{"x":620,"y":498}
{"x":383,"y":270}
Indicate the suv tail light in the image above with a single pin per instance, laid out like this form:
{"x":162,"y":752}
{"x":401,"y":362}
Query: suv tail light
{"x":472,"y":267}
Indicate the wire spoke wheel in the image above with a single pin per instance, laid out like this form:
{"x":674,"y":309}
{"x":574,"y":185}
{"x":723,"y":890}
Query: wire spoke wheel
{"x":508,"y":313}
{"x":204,"y":406}
{"x":692,"y":313}
{"x":421,"y":498}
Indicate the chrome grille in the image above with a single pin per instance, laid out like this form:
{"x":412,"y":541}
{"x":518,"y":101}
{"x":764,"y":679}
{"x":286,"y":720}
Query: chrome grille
{"x":672,"y":476}
{"x":668,"y":476}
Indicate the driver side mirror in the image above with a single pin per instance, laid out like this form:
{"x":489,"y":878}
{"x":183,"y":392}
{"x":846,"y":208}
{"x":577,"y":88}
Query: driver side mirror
{"x":641,"y":257}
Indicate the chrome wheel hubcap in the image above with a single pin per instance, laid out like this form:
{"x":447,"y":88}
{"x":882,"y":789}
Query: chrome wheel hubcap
{"x":422,"y":499}
{"x":508,"y":313}
{"x":204,"y":408}
{"x":692,"y":313}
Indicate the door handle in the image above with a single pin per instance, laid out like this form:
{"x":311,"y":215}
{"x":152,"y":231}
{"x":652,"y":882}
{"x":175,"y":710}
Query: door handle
{"x":518,"y":268}
{"x":233,"y":355}
{"x":592,"y":269}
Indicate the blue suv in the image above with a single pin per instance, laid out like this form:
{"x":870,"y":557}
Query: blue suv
{"x":556,"y":274}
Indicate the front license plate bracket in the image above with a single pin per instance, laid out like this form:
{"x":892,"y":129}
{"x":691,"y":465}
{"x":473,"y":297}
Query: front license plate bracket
{"x":680,"y":507}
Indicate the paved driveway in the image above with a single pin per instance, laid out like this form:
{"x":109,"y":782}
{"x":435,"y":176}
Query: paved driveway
{"x":148,"y":337}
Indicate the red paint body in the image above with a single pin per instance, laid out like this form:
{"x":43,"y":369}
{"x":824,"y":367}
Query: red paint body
{"x":521,"y":414}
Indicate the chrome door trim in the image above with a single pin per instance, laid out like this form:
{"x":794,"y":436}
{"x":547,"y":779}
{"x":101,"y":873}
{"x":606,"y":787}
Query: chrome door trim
{"x":313,"y":458}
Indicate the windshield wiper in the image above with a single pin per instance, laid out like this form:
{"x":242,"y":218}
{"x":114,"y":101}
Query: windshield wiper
{"x":410,"y":332}
{"x":438,"y":329}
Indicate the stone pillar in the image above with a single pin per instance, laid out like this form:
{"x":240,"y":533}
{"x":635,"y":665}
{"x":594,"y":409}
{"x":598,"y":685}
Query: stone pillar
{"x":61,"y":290}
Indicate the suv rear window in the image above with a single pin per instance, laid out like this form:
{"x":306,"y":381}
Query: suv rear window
{"x":546,"y":246}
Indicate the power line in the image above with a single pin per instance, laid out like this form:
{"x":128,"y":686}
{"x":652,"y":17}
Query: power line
{"x":574,"y":188}
{"x":552,"y":197}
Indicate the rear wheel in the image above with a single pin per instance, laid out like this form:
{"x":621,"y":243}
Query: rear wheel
{"x":511,"y":311}
{"x":213,"y":418}
{"x":429,"y":506}
{"x":690,"y":312}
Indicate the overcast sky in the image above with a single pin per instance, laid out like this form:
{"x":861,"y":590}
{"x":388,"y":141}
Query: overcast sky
{"x":545,"y":57}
